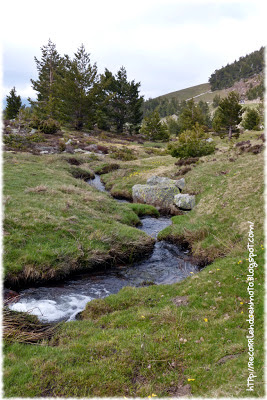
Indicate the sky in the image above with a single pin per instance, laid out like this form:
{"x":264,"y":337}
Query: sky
{"x":167,"y":45}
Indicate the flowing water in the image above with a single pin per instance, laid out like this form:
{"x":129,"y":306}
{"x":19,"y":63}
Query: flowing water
{"x":167,"y":264}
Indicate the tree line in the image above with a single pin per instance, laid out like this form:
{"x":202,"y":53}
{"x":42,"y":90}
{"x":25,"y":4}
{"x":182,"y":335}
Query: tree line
{"x":70,"y":90}
{"x":244,"y":68}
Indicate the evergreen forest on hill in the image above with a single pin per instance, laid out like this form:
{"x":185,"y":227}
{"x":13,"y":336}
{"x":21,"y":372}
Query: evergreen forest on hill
{"x":244,"y":68}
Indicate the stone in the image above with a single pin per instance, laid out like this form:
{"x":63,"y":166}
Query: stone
{"x":160,"y":180}
{"x":184,"y":201}
{"x":160,"y":196}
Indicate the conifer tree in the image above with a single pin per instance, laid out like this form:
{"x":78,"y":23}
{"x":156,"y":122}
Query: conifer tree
{"x":50,"y":74}
{"x":251,"y":119}
{"x":190,"y":115}
{"x":125,"y":103}
{"x":153,"y":128}
{"x":229,"y":113}
{"x":13,"y":104}
{"x":79,"y":90}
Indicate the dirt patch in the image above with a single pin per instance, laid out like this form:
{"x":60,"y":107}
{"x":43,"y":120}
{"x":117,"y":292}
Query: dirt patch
{"x":224,"y":359}
{"x":188,"y":161}
{"x":180,"y":301}
{"x":180,"y":391}
{"x":73,"y":161}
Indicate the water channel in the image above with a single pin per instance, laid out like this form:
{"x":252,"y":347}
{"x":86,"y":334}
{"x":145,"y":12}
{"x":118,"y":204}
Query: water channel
{"x":63,"y":301}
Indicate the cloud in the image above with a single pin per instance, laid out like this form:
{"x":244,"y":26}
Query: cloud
{"x":165,"y":44}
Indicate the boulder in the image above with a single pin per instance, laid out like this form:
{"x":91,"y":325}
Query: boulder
{"x":160,"y":196}
{"x":160,"y":180}
{"x":184,"y":201}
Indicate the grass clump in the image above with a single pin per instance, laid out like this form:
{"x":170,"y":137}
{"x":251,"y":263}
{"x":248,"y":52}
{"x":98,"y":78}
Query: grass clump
{"x":123,"y":154}
{"x":20,"y":327}
{"x":81,"y":173}
{"x":106,"y":168}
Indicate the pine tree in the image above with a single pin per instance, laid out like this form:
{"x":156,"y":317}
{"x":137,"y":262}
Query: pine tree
{"x":13,"y":104}
{"x":251,"y":119}
{"x":153,"y":128}
{"x":229,"y":113}
{"x":125,"y":103}
{"x":50,"y":74}
{"x":190,"y":115}
{"x":79,"y":91}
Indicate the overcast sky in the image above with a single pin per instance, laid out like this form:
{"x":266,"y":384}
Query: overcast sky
{"x":166,"y":45}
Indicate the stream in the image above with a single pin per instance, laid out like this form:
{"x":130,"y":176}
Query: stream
{"x":63,"y":301}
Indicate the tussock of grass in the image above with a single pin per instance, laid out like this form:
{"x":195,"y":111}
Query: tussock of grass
{"x":21,"y":327}
{"x":81,"y":173}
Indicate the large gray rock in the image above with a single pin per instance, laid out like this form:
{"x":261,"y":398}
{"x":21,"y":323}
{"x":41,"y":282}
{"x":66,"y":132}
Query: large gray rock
{"x":160,"y":196}
{"x":160,"y":180}
{"x":184,"y":201}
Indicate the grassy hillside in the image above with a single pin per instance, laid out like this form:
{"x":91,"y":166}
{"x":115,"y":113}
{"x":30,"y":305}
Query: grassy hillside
{"x":188,"y":93}
{"x":203,"y":92}
{"x":164,"y":341}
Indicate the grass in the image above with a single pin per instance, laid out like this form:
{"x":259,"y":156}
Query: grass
{"x":188,"y":93}
{"x":142,"y":342}
{"x":53,"y":222}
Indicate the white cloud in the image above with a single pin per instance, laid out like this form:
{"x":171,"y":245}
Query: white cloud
{"x":169,"y":42}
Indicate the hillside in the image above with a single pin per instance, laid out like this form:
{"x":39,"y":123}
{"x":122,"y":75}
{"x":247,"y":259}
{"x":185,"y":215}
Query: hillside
{"x":188,"y":93}
{"x":250,"y":91}
{"x":245,"y":68}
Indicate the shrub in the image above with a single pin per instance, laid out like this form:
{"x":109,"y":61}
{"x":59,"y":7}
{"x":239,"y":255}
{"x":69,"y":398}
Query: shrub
{"x":35,"y":122}
{"x":123,"y":154}
{"x":191,"y":143}
{"x":49,"y":126}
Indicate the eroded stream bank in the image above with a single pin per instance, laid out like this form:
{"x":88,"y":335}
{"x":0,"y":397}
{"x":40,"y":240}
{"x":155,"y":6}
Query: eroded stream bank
{"x":167,"y":264}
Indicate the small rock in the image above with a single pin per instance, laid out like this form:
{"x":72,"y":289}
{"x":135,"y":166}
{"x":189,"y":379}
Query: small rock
{"x":184,"y":201}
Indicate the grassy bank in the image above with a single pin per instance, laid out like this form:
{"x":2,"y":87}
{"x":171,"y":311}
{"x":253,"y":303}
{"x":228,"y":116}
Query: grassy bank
{"x":167,"y":340}
{"x":54,"y":222}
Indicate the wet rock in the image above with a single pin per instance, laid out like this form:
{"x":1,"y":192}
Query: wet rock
{"x":184,"y":201}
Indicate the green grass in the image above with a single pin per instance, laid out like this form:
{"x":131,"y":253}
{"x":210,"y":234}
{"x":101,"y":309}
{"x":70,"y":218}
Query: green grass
{"x":188,"y":93}
{"x":139,"y":343}
{"x":53,"y":222}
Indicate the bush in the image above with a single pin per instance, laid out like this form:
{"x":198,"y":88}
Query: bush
{"x":35,"y":122}
{"x":49,"y":126}
{"x":123,"y":154}
{"x":191,"y":143}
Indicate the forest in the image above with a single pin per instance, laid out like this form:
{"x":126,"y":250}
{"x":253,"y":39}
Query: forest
{"x":244,"y":68}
